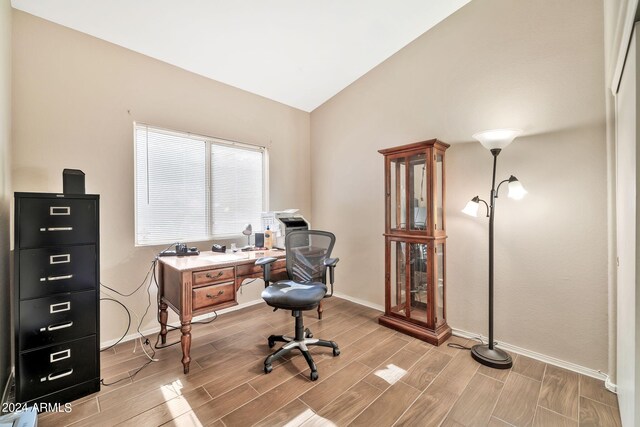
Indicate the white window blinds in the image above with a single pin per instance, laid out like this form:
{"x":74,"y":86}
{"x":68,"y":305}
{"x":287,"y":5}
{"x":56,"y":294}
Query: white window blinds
{"x":191,"y":188}
{"x":236,"y":188}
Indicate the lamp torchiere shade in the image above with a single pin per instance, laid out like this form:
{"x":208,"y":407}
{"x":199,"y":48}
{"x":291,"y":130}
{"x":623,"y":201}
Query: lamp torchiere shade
{"x":496,"y":138}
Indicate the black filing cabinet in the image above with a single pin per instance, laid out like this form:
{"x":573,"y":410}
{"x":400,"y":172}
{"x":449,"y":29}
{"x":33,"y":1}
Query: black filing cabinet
{"x":56,"y":297}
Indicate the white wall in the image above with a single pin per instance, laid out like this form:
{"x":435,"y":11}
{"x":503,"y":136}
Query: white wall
{"x":494,"y":63}
{"x":5,"y":194}
{"x":628,"y":229}
{"x":74,"y":104}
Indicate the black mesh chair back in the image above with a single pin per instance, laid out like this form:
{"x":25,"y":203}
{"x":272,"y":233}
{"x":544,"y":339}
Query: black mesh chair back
{"x":306,"y":252}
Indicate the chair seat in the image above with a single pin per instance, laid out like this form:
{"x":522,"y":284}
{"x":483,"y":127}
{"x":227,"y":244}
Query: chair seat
{"x":290,"y":295}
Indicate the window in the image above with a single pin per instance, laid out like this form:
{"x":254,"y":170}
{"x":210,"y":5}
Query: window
{"x":193,"y":188}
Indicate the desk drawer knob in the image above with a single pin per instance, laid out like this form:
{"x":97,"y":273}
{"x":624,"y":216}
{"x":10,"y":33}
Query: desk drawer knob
{"x":209,"y":275}
{"x":215,"y":296}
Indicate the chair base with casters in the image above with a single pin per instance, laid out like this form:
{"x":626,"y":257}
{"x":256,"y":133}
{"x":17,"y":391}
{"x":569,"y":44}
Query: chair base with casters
{"x":302,"y":340}
{"x":296,"y":297}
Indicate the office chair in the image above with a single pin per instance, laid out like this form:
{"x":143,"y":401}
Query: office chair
{"x":308,"y":258}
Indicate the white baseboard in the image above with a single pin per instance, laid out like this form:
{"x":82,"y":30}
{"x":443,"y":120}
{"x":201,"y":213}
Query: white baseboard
{"x":543,"y":358}
{"x":156,"y":328}
{"x":359,"y":301}
{"x":613,"y":388}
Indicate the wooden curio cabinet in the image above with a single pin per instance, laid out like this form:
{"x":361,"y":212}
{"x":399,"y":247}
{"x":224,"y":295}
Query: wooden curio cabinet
{"x":415,"y":241}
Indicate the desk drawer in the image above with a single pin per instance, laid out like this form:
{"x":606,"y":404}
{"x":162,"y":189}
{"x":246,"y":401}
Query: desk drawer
{"x":212,"y":276}
{"x":56,"y":367}
{"x":207,"y":296}
{"x":251,"y":269}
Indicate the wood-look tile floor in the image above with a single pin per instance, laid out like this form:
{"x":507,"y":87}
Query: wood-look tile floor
{"x":381,"y":378}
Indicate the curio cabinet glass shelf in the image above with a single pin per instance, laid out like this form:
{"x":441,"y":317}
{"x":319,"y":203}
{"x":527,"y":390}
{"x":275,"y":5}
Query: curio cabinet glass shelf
{"x":415,"y":240}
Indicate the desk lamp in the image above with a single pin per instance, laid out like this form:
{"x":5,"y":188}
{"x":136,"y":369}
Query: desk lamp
{"x":494,"y":141}
{"x":247,"y":232}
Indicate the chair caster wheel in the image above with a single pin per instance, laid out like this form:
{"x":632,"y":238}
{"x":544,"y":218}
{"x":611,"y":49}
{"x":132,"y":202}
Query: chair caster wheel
{"x":336,"y":352}
{"x":313,"y":376}
{"x":267,"y":369}
{"x":271,"y":343}
{"x":308,"y":333}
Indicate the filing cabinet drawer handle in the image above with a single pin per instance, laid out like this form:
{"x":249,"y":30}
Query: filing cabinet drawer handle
{"x":60,"y":307}
{"x":60,"y":355}
{"x":59,"y":210}
{"x":57,"y":229}
{"x":54,"y":278}
{"x":215,"y":296}
{"x":60,"y":326}
{"x":209,"y":275}
{"x":60,"y":259}
{"x":52,"y":377}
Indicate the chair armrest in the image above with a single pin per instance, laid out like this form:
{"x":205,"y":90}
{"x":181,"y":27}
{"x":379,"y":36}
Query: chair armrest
{"x":265,"y":263}
{"x":265,"y":260}
{"x":331,"y":262}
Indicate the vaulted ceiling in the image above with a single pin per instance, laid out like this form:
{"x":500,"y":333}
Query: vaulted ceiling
{"x":297,"y":52}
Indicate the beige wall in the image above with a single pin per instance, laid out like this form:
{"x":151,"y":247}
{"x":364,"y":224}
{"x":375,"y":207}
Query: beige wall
{"x":75,"y":101}
{"x":494,"y":63}
{"x":5,"y":194}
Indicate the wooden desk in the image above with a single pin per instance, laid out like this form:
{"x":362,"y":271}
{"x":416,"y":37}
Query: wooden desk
{"x":195,"y":285}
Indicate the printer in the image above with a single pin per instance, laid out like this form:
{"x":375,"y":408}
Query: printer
{"x":282,"y":222}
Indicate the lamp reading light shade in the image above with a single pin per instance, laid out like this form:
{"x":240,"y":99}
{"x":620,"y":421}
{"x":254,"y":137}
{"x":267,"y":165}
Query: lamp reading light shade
{"x":516,"y":190}
{"x":496,"y":138}
{"x":472,"y":207}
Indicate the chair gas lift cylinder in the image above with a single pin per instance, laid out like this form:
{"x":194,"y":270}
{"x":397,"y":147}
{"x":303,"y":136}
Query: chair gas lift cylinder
{"x":415,"y":240}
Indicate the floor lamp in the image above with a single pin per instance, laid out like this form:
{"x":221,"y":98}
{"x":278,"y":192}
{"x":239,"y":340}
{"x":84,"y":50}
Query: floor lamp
{"x":494,"y":141}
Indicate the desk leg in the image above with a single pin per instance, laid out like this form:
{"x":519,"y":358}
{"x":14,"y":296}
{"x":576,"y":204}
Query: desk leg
{"x":185,"y":341}
{"x":320,"y":310}
{"x":163,"y":322}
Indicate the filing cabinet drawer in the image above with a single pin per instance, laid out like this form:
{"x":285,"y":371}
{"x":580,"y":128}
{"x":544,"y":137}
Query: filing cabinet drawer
{"x":250,"y":269}
{"x":48,"y":222}
{"x":56,"y":367}
{"x":50,"y":271}
{"x":211,"y":276}
{"x":207,"y":296}
{"x":57,"y":318}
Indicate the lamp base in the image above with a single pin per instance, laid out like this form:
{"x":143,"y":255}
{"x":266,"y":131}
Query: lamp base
{"x":491,"y":357}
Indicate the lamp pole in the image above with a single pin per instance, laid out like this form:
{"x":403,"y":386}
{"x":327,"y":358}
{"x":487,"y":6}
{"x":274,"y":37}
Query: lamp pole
{"x":487,"y":354}
{"x":495,"y":153}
